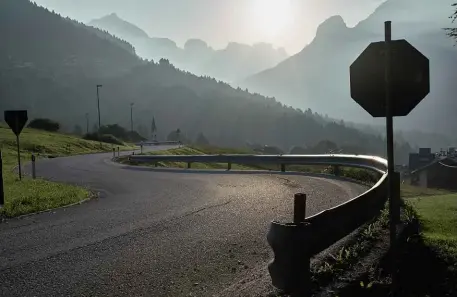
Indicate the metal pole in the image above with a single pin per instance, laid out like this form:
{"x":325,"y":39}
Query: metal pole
{"x":131,"y":117}
{"x":19,"y":157}
{"x":2,"y":194}
{"x":98,"y":106}
{"x":99,"y":118}
{"x":33,"y":167}
{"x":87,"y":123}
{"x":390,"y":152}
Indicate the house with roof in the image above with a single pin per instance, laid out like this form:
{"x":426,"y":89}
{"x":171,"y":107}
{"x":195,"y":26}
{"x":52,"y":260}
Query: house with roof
{"x":441,"y":173}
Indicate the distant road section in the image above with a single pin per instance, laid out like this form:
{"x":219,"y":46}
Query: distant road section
{"x":151,"y":233}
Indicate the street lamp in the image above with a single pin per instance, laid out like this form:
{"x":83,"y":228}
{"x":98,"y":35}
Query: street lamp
{"x":87,"y":123}
{"x":98,"y":105}
{"x":99,"y":121}
{"x":131,"y":116}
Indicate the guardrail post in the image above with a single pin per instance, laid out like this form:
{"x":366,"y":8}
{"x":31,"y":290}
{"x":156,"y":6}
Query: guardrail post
{"x":141,"y":149}
{"x":189,"y":165}
{"x":229,"y":166}
{"x":118,"y":152}
{"x":299,"y":208}
{"x":283,"y":167}
{"x":33,"y":167}
{"x":2,"y":194}
{"x":336,"y":170}
{"x":290,"y":269}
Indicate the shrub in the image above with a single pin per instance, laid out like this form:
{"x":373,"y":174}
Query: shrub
{"x":134,"y":137}
{"x":360,"y":174}
{"x":44,"y":124}
{"x":108,"y":138}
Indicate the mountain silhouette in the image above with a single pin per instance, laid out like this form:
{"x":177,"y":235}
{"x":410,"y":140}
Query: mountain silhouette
{"x":236,"y":62}
{"x":318,"y":76}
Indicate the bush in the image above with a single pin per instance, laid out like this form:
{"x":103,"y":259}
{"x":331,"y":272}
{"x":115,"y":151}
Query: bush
{"x":360,"y":174}
{"x":120,"y":133}
{"x":44,"y":124}
{"x":271,"y":150}
{"x":135,"y":137}
{"x":108,"y":138}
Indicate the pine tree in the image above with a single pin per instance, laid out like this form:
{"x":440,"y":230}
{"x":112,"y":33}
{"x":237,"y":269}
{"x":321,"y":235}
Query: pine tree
{"x":153,"y":129}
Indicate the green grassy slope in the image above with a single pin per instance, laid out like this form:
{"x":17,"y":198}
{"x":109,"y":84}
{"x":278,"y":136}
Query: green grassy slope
{"x":28,"y":195}
{"x":438,"y":216}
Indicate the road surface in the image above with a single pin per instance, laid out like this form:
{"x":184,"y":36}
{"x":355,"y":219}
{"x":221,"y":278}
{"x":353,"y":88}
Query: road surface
{"x":151,"y":233}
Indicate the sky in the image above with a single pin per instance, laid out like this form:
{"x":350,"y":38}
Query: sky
{"x":284,"y":23}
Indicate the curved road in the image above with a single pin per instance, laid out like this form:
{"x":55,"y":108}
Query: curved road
{"x":151,"y":233}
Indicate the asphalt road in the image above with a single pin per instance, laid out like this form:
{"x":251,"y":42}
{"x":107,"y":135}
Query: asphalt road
{"x":150,"y":233}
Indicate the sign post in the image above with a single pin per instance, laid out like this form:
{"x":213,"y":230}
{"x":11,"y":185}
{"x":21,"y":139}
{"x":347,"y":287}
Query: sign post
{"x":2,"y":194}
{"x":393,"y":204}
{"x":16,"y":120}
{"x":389,"y":79}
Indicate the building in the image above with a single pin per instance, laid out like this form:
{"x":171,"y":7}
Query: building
{"x":441,"y":173}
{"x":418,"y":160}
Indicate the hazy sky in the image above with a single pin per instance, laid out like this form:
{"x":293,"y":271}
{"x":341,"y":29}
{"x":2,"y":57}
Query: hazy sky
{"x":285,"y":23}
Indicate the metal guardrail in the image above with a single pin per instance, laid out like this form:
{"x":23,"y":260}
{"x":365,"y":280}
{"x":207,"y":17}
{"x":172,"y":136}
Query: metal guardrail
{"x":359,"y":161}
{"x":147,"y":143}
{"x":294,"y":244}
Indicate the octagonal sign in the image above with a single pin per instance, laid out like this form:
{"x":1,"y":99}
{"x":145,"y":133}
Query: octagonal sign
{"x":410,"y":78}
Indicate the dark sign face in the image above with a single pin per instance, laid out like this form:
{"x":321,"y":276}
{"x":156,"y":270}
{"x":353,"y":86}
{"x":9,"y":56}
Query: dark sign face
{"x":16,"y":119}
{"x":410,"y":78}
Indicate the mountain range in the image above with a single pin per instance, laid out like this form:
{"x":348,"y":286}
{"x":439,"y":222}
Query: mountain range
{"x":233,"y":63}
{"x":51,"y":66}
{"x":318,"y":76}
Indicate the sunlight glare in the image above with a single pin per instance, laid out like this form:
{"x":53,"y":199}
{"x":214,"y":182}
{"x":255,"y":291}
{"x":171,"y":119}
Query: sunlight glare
{"x":271,"y":17}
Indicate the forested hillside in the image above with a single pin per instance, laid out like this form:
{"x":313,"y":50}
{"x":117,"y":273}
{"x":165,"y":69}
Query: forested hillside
{"x":53,"y":65}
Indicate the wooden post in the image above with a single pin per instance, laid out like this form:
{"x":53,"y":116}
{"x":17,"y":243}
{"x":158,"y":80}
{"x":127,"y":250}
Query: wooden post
{"x":33,"y":167}
{"x":2,"y":194}
{"x":303,"y":289}
{"x":299,"y":208}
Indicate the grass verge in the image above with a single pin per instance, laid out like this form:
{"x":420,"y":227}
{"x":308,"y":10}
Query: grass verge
{"x":28,"y":195}
{"x":427,"y":251}
{"x":438,"y":217}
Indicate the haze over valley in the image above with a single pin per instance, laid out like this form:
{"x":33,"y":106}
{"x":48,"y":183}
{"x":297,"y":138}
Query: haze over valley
{"x":50,"y":65}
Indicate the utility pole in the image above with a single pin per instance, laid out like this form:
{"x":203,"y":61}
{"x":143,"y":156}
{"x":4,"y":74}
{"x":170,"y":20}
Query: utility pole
{"x":98,"y":105}
{"x":131,"y":116}
{"x":87,"y":123}
{"x":99,"y":121}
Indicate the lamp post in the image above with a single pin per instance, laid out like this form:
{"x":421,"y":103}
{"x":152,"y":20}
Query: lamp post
{"x":98,"y":105}
{"x":131,"y":117}
{"x":99,"y":121}
{"x":87,"y":123}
